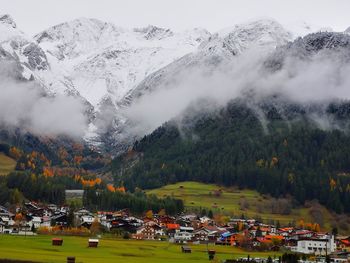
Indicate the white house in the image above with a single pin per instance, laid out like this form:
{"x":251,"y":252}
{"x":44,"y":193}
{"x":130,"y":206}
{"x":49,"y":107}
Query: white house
{"x":45,"y":221}
{"x":36,"y":221}
{"x":87,"y":219}
{"x":315,"y":246}
{"x":182,"y":236}
{"x":188,"y":229}
{"x":2,"y":227}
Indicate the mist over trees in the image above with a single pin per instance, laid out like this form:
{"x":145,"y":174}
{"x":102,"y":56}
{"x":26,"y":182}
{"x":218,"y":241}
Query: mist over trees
{"x":283,"y":155}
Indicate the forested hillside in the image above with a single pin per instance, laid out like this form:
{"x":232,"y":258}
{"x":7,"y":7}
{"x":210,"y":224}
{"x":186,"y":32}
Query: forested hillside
{"x":43,"y":176}
{"x":276,"y":148}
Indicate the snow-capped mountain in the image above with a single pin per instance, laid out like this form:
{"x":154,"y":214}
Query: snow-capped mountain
{"x":108,"y":67}
{"x":266,"y":34}
{"x":219,"y":49}
{"x":16,"y":46}
{"x":104,"y":61}
{"x":30,"y":59}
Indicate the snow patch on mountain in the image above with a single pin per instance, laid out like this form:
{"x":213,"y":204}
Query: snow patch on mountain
{"x":104,"y":62}
{"x":7,"y":19}
{"x":265,"y":34}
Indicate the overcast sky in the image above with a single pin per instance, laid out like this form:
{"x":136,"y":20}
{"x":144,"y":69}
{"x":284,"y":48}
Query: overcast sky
{"x":32,"y":16}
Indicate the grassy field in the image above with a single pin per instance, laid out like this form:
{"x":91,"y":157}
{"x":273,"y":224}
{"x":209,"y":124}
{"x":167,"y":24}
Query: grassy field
{"x":6,"y":164}
{"x":197,"y":195}
{"x":39,"y":248}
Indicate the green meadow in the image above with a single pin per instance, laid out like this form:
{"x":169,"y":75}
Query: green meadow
{"x":6,"y":164}
{"x":39,"y":249}
{"x":197,"y":196}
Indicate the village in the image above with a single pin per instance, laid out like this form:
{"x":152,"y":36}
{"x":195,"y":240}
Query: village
{"x":185,"y":229}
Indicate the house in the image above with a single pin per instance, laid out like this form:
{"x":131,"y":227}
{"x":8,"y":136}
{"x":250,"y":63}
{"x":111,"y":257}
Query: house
{"x":201,"y":235}
{"x":182,"y":237}
{"x":186,"y":220}
{"x":285,"y":231}
{"x":5,"y":220}
{"x":130,"y":224}
{"x":149,"y":231}
{"x":260,"y":230}
{"x":315,"y":246}
{"x":60,"y":219}
{"x":171,"y":229}
{"x":226,"y":238}
{"x":86,"y":220}
{"x":82,"y":212}
{"x":188,"y":229}
{"x":207,"y":234}
{"x":52,"y":207}
{"x":163,"y":221}
{"x":206,"y":220}
{"x":36,"y":221}
{"x":340,"y":257}
{"x":2,"y":227}
{"x":343,"y":244}
{"x":301,"y":234}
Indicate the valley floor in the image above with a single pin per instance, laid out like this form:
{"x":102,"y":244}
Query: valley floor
{"x":39,"y":249}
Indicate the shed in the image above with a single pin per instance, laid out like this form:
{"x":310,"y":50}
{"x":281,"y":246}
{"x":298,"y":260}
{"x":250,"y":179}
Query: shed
{"x":211,"y":254}
{"x":186,"y":249}
{"x":57,"y":241}
{"x":93,"y":242}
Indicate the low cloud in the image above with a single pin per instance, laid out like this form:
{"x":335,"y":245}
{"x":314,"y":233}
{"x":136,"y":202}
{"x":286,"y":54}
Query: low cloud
{"x":24,"y":104}
{"x":317,"y":79}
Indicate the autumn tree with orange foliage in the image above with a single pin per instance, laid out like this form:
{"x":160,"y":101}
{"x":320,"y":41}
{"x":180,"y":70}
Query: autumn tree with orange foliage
{"x":90,"y":182}
{"x":332,"y":184}
{"x":114,"y":189}
{"x":149,"y":214}
{"x":48,"y":172}
{"x":19,"y":219}
{"x":15,"y":153}
{"x":301,"y":223}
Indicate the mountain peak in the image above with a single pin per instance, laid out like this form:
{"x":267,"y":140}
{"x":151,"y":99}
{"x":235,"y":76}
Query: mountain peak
{"x":78,"y":28}
{"x":260,"y":33}
{"x":7,"y":19}
{"x":263,"y":23}
{"x":154,"y":32}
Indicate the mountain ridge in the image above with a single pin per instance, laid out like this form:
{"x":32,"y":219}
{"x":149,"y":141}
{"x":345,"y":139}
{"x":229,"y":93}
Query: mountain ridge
{"x":107,"y":66}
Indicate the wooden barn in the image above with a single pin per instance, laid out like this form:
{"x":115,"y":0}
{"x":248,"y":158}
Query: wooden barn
{"x":57,"y":241}
{"x":93,"y":242}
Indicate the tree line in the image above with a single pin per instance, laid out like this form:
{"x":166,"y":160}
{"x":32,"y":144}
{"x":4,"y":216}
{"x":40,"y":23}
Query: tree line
{"x":137,"y":203}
